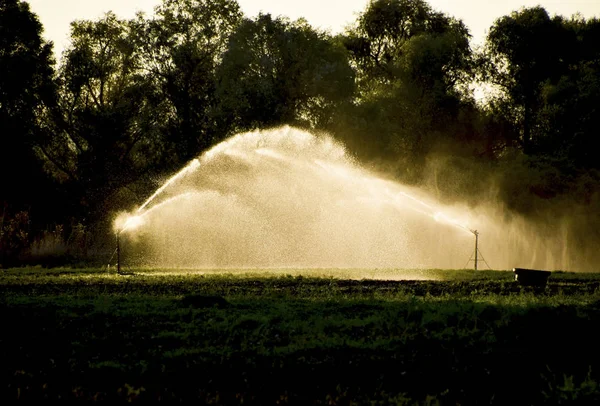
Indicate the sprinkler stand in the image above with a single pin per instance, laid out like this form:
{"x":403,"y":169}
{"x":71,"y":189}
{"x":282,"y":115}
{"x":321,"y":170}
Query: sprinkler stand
{"x":478,"y":256}
{"x":118,"y":253}
{"x":476,"y":249}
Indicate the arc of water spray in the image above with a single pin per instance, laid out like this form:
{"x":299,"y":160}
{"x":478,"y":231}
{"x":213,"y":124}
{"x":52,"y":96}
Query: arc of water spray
{"x":437,"y":215}
{"x":194,"y":164}
{"x":393,"y":197}
{"x":133,"y":221}
{"x":382,"y":191}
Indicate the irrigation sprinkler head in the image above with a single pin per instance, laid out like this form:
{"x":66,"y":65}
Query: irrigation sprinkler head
{"x":475,"y":232}
{"x":131,"y":222}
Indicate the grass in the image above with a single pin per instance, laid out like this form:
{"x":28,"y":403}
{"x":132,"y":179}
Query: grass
{"x":298,"y":337}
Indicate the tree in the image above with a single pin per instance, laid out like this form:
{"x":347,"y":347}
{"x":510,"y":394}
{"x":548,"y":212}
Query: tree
{"x":182,"y":47}
{"x":26,"y":87}
{"x":568,"y":120}
{"x":413,"y":66}
{"x":525,"y":50}
{"x":106,"y":131}
{"x":547,"y":71}
{"x":389,"y":34}
{"x":276,"y":71}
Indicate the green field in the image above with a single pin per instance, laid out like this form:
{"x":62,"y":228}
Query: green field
{"x":298,"y":337}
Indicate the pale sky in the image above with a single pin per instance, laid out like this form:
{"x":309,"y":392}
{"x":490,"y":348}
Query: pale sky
{"x":332,"y":15}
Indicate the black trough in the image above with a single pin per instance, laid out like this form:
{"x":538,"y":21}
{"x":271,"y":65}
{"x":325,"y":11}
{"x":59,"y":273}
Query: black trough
{"x":531,"y":277}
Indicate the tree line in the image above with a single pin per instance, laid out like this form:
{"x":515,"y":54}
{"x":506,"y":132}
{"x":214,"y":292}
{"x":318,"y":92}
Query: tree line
{"x":134,"y":99}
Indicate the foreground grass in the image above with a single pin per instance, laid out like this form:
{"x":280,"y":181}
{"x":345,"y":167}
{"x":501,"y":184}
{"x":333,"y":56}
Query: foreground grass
{"x":280,"y":337}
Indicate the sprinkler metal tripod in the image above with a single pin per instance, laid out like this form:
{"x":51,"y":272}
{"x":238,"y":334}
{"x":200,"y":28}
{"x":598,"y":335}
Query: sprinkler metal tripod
{"x":477,"y":252}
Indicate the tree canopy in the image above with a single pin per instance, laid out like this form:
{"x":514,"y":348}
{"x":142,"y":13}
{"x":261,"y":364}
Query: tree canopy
{"x":26,"y":88}
{"x":280,"y":72}
{"x":135,"y":99}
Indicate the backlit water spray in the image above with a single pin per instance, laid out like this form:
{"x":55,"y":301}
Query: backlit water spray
{"x":287,"y":198}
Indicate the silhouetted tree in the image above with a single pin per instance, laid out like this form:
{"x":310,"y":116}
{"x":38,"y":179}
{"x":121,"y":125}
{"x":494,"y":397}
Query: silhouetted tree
{"x":413,"y":65}
{"x":107,"y":130}
{"x":548,"y":76}
{"x":281,"y":72}
{"x":568,"y":119}
{"x":26,"y":89}
{"x":134,"y":99}
{"x":393,"y":38}
{"x":182,"y":46}
{"x":524,"y":51}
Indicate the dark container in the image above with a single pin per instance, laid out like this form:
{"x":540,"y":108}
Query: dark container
{"x":531,"y":277}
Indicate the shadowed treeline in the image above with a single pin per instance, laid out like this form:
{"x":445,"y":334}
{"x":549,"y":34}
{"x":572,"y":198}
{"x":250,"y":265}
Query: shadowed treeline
{"x":132,"y":101}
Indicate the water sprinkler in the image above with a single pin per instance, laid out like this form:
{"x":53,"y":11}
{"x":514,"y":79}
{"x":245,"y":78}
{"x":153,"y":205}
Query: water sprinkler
{"x":475,"y":232}
{"x":477,"y":253}
{"x":135,"y":221}
{"x":119,"y":251}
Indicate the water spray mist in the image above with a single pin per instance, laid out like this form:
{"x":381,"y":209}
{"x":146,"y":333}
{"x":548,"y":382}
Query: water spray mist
{"x":134,"y":221}
{"x":286,"y":198}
